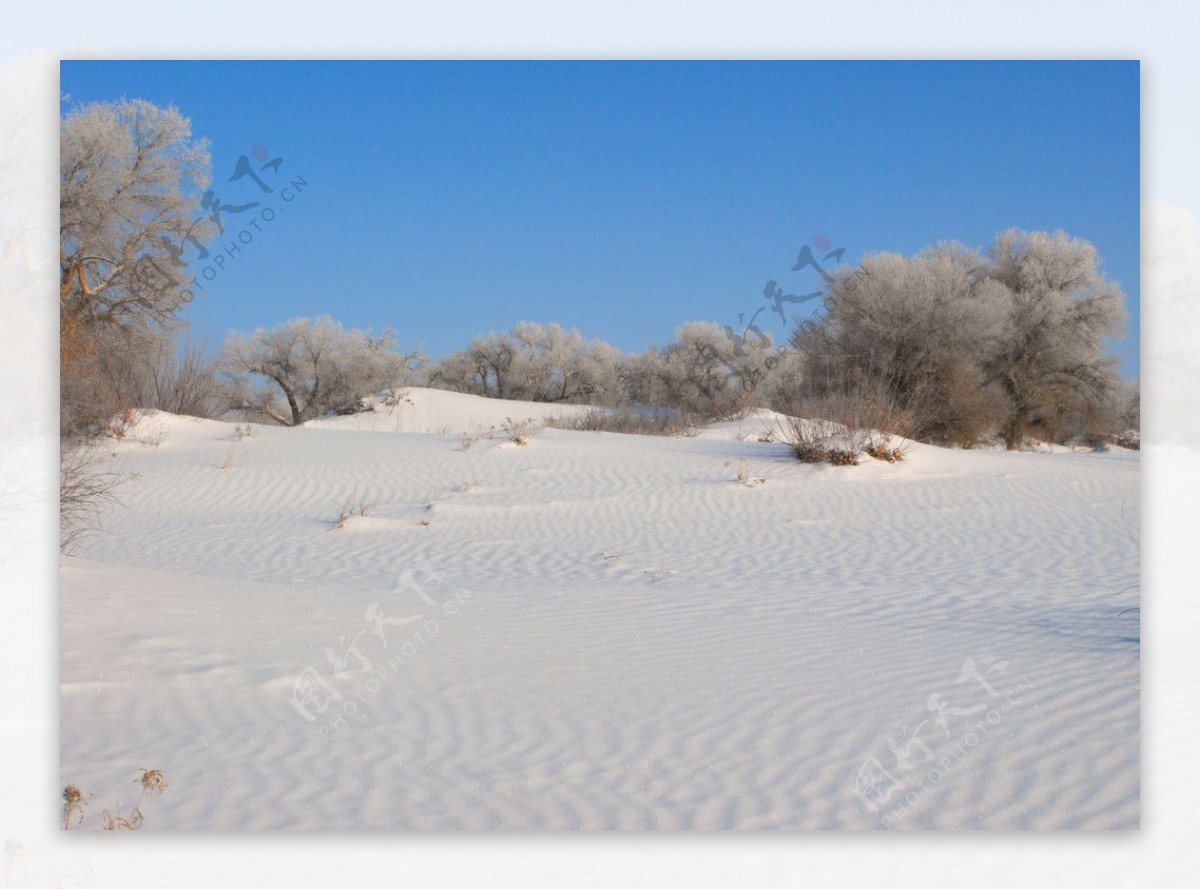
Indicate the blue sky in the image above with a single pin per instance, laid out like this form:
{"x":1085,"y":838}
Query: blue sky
{"x":448,"y":199}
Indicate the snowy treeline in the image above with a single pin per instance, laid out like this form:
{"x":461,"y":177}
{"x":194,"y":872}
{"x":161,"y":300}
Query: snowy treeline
{"x":958,"y":345}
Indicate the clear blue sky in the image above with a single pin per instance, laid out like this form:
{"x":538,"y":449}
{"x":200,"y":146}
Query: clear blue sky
{"x":447,"y":199}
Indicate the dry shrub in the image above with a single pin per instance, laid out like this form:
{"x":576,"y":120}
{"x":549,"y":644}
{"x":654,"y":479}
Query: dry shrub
{"x":659,"y":422}
{"x":83,"y":491}
{"x":120,"y":424}
{"x":744,"y":476}
{"x":848,"y":423}
{"x":820,"y":441}
{"x":106,"y":372}
{"x":842,"y":457}
{"x":350,"y":508}
{"x":810,"y":452}
{"x":516,"y":431}
{"x":73,"y":804}
{"x":97,"y":377}
{"x":227,"y":460}
{"x":74,"y":800}
{"x":881,"y":451}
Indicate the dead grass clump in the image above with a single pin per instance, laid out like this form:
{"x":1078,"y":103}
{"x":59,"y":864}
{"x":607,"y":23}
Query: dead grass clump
{"x":151,"y":780}
{"x":467,"y":439}
{"x":516,"y":431}
{"x":350,"y":508}
{"x":822,"y":441}
{"x":659,"y":574}
{"x":880,"y":451}
{"x":119,"y":425}
{"x":842,"y":457}
{"x":73,"y":804}
{"x":628,"y":421}
{"x":809,"y":452}
{"x":744,"y":476}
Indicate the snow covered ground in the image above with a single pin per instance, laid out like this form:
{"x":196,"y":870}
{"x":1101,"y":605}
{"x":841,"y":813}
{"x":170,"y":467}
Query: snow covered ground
{"x":597,"y":630}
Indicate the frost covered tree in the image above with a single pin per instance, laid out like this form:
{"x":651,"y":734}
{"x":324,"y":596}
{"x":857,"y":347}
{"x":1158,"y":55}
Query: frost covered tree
{"x":307,"y":368}
{"x":130,"y":183}
{"x":694,"y":373}
{"x":968,"y":345}
{"x":914,"y":328}
{"x":489,"y":366}
{"x":131,"y":178}
{"x":533,"y":362}
{"x":1129,"y":406}
{"x":558,"y":365}
{"x":1059,"y":311}
{"x":641,"y":377}
{"x":709,"y":369}
{"x":713,"y":370}
{"x":784,"y":380}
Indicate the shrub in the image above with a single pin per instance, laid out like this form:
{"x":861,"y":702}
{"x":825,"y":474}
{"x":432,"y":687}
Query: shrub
{"x":517,"y":431}
{"x":350,"y":508}
{"x":819,"y":441}
{"x":74,"y":801}
{"x":839,"y":442}
{"x":83,"y":491}
{"x":881,"y":451}
{"x":630,"y":421}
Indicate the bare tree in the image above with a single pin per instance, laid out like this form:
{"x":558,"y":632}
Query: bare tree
{"x":180,"y":378}
{"x":314,"y":366}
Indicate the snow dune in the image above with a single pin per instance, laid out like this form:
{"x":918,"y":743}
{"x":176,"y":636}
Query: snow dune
{"x":419,"y":410}
{"x":613,"y":632}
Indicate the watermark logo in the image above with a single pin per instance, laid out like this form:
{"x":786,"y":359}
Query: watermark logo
{"x":774,"y":294}
{"x":893,"y":789}
{"x":148,"y":274}
{"x":751,"y":337}
{"x":26,"y":868}
{"x":367,"y":658}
